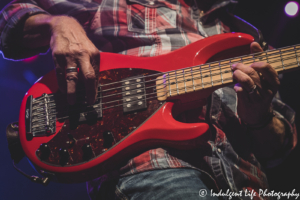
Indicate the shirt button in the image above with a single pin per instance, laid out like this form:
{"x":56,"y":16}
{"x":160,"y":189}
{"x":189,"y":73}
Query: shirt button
{"x":219,"y":150}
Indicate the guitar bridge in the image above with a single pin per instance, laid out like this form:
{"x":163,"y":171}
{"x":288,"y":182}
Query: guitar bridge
{"x":40,"y":115}
{"x":134,"y":94}
{"x":41,"y":112}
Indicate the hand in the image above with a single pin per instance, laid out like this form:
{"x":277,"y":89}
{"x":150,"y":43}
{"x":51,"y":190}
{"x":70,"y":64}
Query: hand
{"x":71,"y":48}
{"x":256,"y":87}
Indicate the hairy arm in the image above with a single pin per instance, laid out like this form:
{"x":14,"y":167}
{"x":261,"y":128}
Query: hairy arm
{"x":71,"y":48}
{"x":37,"y":31}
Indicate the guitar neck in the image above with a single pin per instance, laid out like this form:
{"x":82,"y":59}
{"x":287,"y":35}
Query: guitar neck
{"x":217,"y":74}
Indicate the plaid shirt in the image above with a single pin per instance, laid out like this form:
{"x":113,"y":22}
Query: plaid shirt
{"x":140,"y":28}
{"x":151,"y":28}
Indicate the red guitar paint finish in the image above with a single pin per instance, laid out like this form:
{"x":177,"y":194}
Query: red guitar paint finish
{"x":158,"y":129}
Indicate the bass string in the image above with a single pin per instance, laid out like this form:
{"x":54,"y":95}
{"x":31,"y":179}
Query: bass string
{"x":143,"y":95}
{"x":205,"y":83}
{"x":182,"y":88}
{"x":182,"y":81}
{"x":121,"y":93}
{"x":147,"y":98}
{"x":180,"y":76}
{"x":217,"y":67}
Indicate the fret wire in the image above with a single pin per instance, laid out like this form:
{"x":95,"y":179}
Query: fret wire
{"x":184,"y":81}
{"x":176,"y":82}
{"x":211,"y":78}
{"x":267,"y":57}
{"x":201,"y":76}
{"x":221,"y":72}
{"x":296,"y":55}
{"x":193,"y":79}
{"x":281,"y":59}
{"x":169,"y":84}
{"x":230,"y":64}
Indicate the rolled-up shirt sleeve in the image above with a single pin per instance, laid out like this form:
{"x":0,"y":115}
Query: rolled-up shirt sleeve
{"x":12,"y":19}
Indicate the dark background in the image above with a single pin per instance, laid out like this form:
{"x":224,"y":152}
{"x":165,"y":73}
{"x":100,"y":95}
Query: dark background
{"x":17,"y":77}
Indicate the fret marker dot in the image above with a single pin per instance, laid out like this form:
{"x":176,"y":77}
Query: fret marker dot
{"x":140,"y":97}
{"x":139,"y":85}
{"x":127,"y":88}
{"x":140,"y":103}
{"x":127,"y":82}
{"x":128,"y":105}
{"x":127,"y":99}
{"x":138,"y":80}
{"x":127,"y":93}
{"x":138,"y":91}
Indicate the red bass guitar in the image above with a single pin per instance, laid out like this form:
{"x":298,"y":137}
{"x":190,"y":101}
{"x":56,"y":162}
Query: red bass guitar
{"x":137,"y":99}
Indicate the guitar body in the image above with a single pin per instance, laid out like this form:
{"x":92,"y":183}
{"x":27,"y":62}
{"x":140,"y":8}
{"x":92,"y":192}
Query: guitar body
{"x":116,"y":136}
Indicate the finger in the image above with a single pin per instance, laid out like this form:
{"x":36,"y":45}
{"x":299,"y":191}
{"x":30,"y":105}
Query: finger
{"x":60,"y":63}
{"x":269,"y":74}
{"x":243,"y":79}
{"x":71,"y":79}
{"x":250,"y":90}
{"x":242,"y":94}
{"x":255,"y":47}
{"x":244,"y":68}
{"x":249,"y":71}
{"x":89,"y":77}
{"x":61,"y":79}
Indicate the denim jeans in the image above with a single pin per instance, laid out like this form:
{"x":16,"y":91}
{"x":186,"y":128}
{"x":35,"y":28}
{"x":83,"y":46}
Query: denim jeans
{"x":164,"y":184}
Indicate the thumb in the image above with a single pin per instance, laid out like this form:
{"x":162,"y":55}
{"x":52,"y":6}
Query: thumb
{"x":255,"y":47}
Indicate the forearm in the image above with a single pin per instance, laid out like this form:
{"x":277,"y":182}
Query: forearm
{"x":39,"y":28}
{"x":37,"y":31}
{"x":268,"y":140}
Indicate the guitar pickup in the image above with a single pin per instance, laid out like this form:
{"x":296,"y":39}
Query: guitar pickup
{"x":134,"y":94}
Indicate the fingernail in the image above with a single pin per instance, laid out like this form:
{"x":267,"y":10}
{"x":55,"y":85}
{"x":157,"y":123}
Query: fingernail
{"x":233,"y":65}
